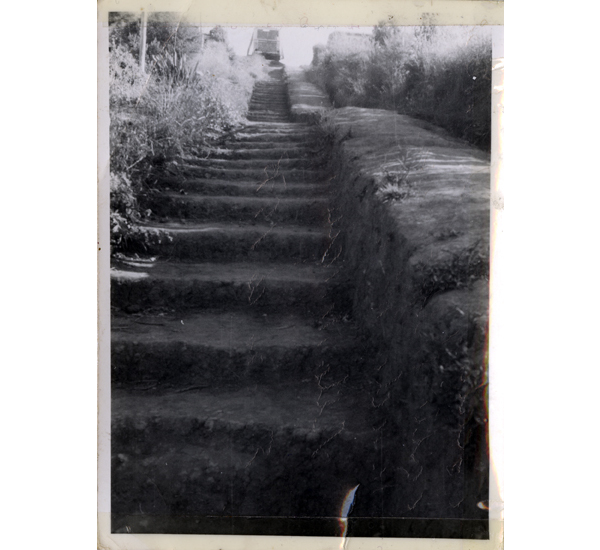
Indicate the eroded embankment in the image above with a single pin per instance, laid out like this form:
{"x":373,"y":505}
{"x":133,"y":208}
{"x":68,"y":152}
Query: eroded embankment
{"x":410,"y":205}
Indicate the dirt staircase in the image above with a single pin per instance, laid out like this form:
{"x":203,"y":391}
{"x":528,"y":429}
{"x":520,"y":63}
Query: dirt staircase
{"x":236,"y":372}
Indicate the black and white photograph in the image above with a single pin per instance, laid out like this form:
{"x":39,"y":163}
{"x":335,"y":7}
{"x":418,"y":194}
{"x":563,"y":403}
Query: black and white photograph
{"x":300,"y":244}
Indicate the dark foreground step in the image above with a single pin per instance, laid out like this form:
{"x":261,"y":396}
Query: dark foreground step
{"x":214,"y":187}
{"x":233,"y":242}
{"x":143,"y":284}
{"x":234,"y":349}
{"x":278,"y":451}
{"x":301,"y":412}
{"x":301,"y":211}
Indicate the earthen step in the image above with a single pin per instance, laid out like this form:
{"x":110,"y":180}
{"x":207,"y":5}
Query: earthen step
{"x":269,"y":108}
{"x":214,"y":187}
{"x":273,"y":91}
{"x":146,"y":283}
{"x":275,"y":88}
{"x":280,"y":101}
{"x":253,"y":163}
{"x":275,"y":145}
{"x":268,"y":111}
{"x":275,"y":84}
{"x":270,"y":98}
{"x":232,"y":242}
{"x":288,"y":153}
{"x":266,"y":174}
{"x":228,"y":349}
{"x":270,"y":117}
{"x":295,"y":414}
{"x":270,"y":95}
{"x":293,"y":127}
{"x":301,"y":211}
{"x":274,"y":139}
{"x":268,"y":104}
{"x":254,"y":452}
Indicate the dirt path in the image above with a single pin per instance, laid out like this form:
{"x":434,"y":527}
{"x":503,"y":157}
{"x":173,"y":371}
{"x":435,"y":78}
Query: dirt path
{"x":236,"y":372}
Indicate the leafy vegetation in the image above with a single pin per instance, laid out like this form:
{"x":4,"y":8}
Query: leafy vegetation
{"x":193,"y":89}
{"x":461,"y":271}
{"x":459,"y":381}
{"x":441,"y":75}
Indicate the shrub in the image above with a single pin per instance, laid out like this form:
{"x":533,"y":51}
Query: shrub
{"x":184,"y":102}
{"x":442,"y":76}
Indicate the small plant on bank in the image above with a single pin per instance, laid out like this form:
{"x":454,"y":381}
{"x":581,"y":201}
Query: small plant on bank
{"x":395,"y":185}
{"x":466,"y":267}
{"x":459,"y":383}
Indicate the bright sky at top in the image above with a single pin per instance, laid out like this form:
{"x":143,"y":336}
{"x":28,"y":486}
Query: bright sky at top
{"x":297,"y":42}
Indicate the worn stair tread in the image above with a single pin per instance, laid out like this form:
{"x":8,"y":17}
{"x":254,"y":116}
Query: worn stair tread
{"x":260,"y":174}
{"x":253,"y":128}
{"x":269,"y":117}
{"x":272,"y":138}
{"x":218,"y":187}
{"x":288,"y":146}
{"x":248,"y":202}
{"x":238,"y":452}
{"x":195,"y":206}
{"x":150,"y":283}
{"x":282,"y":112}
{"x":233,"y":241}
{"x":257,"y":201}
{"x":273,"y":133}
{"x":232,"y":228}
{"x":271,"y":106}
{"x":279,"y":127}
{"x":300,"y":409}
{"x":233,"y":330}
{"x":252,"y":163}
{"x":296,"y":153}
{"x":283,"y":116}
{"x":236,"y":272}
